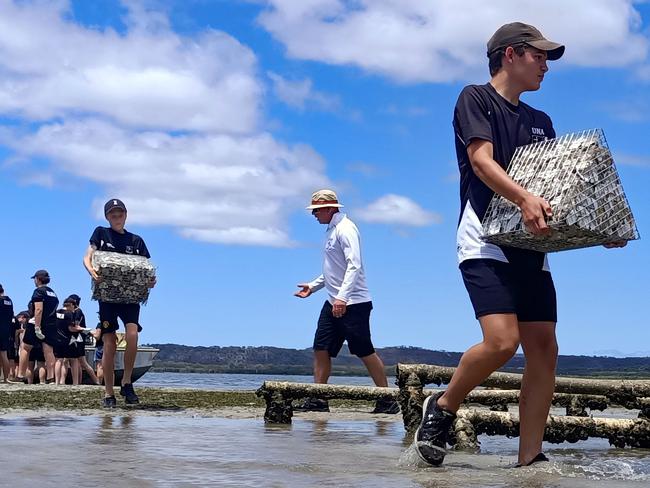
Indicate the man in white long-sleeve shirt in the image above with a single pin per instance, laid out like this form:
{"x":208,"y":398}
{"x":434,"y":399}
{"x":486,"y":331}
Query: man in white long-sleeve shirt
{"x":346,"y":313}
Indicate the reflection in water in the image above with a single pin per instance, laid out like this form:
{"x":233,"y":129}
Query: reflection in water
{"x":172,"y":450}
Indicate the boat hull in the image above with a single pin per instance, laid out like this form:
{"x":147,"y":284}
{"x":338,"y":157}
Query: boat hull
{"x":143,"y":362}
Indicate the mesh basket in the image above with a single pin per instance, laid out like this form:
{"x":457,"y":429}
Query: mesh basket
{"x":576,"y":175}
{"x":124,"y":278}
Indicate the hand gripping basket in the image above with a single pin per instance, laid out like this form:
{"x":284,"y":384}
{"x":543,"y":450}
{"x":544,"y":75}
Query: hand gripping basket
{"x":124,"y":277}
{"x":576,"y":175}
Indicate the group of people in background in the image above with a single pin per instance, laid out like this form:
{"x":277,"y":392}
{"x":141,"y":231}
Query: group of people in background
{"x":46,"y":343}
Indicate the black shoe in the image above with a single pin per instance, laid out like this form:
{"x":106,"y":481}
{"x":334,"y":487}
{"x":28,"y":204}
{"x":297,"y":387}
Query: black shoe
{"x":50,"y":381}
{"x":109,"y":402}
{"x":17,"y":379}
{"x":313,"y":405}
{"x":386,"y":405}
{"x":431,"y":436}
{"x":541,"y":457}
{"x":130,"y":398}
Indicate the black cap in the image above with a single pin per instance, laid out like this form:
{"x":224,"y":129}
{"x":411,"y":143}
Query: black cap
{"x":41,"y":273}
{"x":517,"y":33}
{"x":24,"y":313}
{"x":113,"y":203}
{"x":70,"y":300}
{"x":75,"y":298}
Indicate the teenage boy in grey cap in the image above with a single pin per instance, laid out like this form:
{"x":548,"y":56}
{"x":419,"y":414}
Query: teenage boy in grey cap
{"x":511,"y":290}
{"x":346,"y":313}
{"x":117,"y":239}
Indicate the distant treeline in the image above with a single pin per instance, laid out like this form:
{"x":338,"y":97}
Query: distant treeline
{"x":276,"y":360}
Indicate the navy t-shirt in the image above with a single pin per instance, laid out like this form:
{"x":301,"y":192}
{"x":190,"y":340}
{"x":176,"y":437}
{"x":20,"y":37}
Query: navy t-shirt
{"x":79,"y":318}
{"x":6,"y":313}
{"x":64,"y":320}
{"x":106,"y":239}
{"x":50,"y":301}
{"x":481,"y":113}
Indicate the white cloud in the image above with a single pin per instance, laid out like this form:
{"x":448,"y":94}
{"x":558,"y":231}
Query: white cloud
{"x":441,"y":40}
{"x":212,"y":187}
{"x":300,"y":94}
{"x":169,"y":123}
{"x":397,"y":210}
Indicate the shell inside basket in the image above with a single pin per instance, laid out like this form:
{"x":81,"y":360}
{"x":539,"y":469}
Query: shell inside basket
{"x":124,"y":277}
{"x":576,"y":175}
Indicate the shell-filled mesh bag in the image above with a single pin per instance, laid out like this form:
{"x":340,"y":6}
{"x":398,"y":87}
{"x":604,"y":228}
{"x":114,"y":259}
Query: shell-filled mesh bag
{"x":576,"y":175}
{"x":124,"y":277}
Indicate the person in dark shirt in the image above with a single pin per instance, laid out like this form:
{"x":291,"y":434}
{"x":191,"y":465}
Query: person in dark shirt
{"x":117,"y":239}
{"x":511,"y":290}
{"x":74,"y":301}
{"x":45,"y":304}
{"x":6,"y":331}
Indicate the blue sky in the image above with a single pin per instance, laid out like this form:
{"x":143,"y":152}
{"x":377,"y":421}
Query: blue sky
{"x":215,"y":120}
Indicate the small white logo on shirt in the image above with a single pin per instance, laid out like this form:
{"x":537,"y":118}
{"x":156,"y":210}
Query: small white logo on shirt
{"x":50,"y":294}
{"x":60,"y":316}
{"x":8,"y":302}
{"x":129,"y":249}
{"x":537,"y":131}
{"x":109,"y":245}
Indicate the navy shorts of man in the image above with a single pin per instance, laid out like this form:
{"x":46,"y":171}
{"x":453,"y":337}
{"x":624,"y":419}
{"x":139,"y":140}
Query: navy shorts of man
{"x":345,"y":315}
{"x":116,"y":238}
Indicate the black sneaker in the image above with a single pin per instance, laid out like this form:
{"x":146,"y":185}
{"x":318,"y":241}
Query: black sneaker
{"x":386,"y":405}
{"x":313,"y":405}
{"x":431,"y":436}
{"x":130,"y":398}
{"x":17,"y":379}
{"x":109,"y":402}
{"x":541,"y":457}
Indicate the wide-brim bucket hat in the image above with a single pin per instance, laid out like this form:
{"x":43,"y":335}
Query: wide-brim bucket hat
{"x":324,"y":198}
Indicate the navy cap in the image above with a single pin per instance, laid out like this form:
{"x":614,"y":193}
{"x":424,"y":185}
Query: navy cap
{"x":113,"y":203}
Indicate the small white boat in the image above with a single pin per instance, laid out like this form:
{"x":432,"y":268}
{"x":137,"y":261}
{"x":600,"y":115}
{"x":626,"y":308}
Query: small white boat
{"x":143,"y":360}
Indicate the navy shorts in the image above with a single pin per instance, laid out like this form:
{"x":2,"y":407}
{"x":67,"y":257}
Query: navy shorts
{"x":99,"y":354}
{"x":109,"y":313}
{"x":29,"y":337}
{"x":353,"y":327}
{"x":496,"y":287}
{"x":6,"y":342}
{"x":36,"y":354}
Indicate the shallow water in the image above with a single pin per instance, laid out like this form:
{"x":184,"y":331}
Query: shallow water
{"x":220,"y":381}
{"x":145,"y":450}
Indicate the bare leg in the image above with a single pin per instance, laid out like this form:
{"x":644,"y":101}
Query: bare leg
{"x":130,"y":352}
{"x":84,"y":366}
{"x":322,"y":366}
{"x":538,"y":383}
{"x":58,"y":366}
{"x":108,"y":362}
{"x":6,"y":367}
{"x":25,"y":349}
{"x":500,"y":342}
{"x":375,"y":367}
{"x":76,"y":370}
{"x":42,"y":373}
{"x":100,"y":373}
{"x":50,"y":360}
{"x":29,"y":372}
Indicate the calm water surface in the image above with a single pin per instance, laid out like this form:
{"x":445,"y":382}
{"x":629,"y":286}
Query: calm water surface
{"x":217,"y":381}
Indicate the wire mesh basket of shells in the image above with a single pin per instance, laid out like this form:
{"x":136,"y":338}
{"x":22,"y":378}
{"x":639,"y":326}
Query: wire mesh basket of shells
{"x":125,"y":278}
{"x":576,"y":175}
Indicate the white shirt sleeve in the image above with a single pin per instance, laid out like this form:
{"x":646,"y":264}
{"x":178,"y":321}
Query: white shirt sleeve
{"x":317,"y":284}
{"x":349,"y":240}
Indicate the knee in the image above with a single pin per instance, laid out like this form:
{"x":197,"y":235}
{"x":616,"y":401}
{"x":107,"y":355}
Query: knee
{"x":504,"y":348}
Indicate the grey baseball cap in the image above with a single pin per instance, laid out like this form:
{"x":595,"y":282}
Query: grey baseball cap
{"x":517,"y":33}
